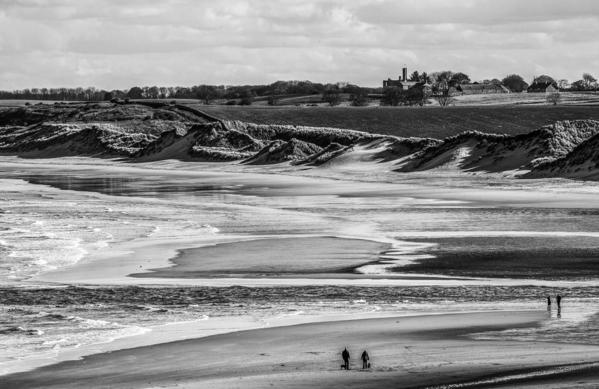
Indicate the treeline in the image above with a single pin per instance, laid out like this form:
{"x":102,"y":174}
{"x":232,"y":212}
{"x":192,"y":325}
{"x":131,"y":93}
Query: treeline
{"x":441,"y":83}
{"x":444,"y":80}
{"x":71,"y":94}
{"x":207,"y":93}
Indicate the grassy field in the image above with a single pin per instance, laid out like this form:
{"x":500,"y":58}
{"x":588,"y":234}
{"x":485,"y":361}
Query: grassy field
{"x":567,"y":98}
{"x":402,"y":121}
{"x":21,"y":103}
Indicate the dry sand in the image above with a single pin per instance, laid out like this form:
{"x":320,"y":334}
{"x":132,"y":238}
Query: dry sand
{"x":405,"y":351}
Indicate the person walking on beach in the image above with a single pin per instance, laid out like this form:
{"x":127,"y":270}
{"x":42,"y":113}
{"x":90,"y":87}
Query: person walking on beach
{"x":345,"y":356}
{"x":365,"y":358}
{"x":558,"y":299}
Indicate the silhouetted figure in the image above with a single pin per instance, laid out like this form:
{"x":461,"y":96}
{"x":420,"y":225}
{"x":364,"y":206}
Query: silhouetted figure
{"x":549,"y":303}
{"x":345,"y":356}
{"x":558,"y":299}
{"x":365,"y":358}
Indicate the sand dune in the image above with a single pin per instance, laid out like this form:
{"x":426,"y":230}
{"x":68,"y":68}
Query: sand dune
{"x":581,"y":163}
{"x":152,"y":132}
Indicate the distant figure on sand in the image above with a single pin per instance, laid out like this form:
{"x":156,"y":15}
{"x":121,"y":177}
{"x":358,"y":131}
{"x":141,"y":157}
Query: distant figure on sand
{"x":549,"y":303}
{"x":345,"y":356}
{"x":558,"y":299}
{"x":365,"y":358}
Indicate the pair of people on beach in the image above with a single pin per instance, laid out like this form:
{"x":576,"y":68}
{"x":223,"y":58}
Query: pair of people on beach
{"x":364,"y":357}
{"x":558,"y":300}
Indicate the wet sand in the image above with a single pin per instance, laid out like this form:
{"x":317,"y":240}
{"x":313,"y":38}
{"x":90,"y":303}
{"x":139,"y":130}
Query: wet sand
{"x":534,"y":257}
{"x":298,"y":255}
{"x":405,"y":352}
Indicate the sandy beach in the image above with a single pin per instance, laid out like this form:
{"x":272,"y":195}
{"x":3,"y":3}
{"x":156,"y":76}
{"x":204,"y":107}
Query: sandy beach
{"x":405,"y":352}
{"x":256,"y":247}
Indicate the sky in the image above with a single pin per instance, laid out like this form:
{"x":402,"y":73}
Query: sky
{"x":117,"y":44}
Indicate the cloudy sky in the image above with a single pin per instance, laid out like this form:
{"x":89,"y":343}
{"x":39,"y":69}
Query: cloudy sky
{"x":122,"y":43}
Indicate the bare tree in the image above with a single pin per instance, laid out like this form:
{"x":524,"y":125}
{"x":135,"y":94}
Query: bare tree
{"x":445,"y":100}
{"x":588,"y":78}
{"x":554,"y":98}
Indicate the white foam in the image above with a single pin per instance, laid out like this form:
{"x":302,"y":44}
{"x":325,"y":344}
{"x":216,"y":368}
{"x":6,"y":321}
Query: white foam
{"x":401,"y":253}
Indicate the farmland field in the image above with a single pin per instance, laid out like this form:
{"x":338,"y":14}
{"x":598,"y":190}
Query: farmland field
{"x":21,"y":103}
{"x":402,"y":121}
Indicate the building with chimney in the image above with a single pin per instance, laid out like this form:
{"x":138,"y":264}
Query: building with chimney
{"x":401,"y":82}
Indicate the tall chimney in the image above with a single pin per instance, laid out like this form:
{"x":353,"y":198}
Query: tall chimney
{"x":404,"y":74}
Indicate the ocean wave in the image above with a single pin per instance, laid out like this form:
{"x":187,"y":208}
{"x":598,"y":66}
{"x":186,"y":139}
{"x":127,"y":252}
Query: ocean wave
{"x":17,"y":330}
{"x":210,"y":228}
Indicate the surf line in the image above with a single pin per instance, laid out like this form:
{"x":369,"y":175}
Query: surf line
{"x":401,"y":253}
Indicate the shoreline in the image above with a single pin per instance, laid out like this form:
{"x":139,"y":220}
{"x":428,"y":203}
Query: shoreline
{"x":196,"y":329}
{"x":406,"y":350}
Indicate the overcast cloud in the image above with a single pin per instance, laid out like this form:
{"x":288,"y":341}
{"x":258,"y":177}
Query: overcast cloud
{"x":119,"y":44}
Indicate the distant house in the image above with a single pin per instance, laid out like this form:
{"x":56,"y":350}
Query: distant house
{"x":401,"y":82}
{"x":542,"y":87}
{"x":481,"y":89}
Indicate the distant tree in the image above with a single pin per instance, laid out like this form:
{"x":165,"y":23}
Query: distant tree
{"x":588,"y":78}
{"x":119,"y":94}
{"x":459,"y":78}
{"x":579,"y":85}
{"x":392,"y":96}
{"x":418,"y":94}
{"x":444,"y":100}
{"x":163,"y":92}
{"x":441,"y":82}
{"x":515,"y":83}
{"x":359,"y":97}
{"x":108,"y":96}
{"x":153,"y":92}
{"x":544,"y":79}
{"x":554,"y":98}
{"x":206,"y":93}
{"x":563,"y":84}
{"x":247,"y":97}
{"x":135,"y":93}
{"x":442,"y":76}
{"x":589,"y":81}
{"x":415,"y":76}
{"x":332,"y":96}
{"x":420,"y":77}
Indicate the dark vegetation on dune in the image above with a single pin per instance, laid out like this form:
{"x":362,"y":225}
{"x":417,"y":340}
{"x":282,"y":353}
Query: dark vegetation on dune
{"x":98,"y":129}
{"x":153,"y":131}
{"x":478,"y":151}
{"x":582,"y":163}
